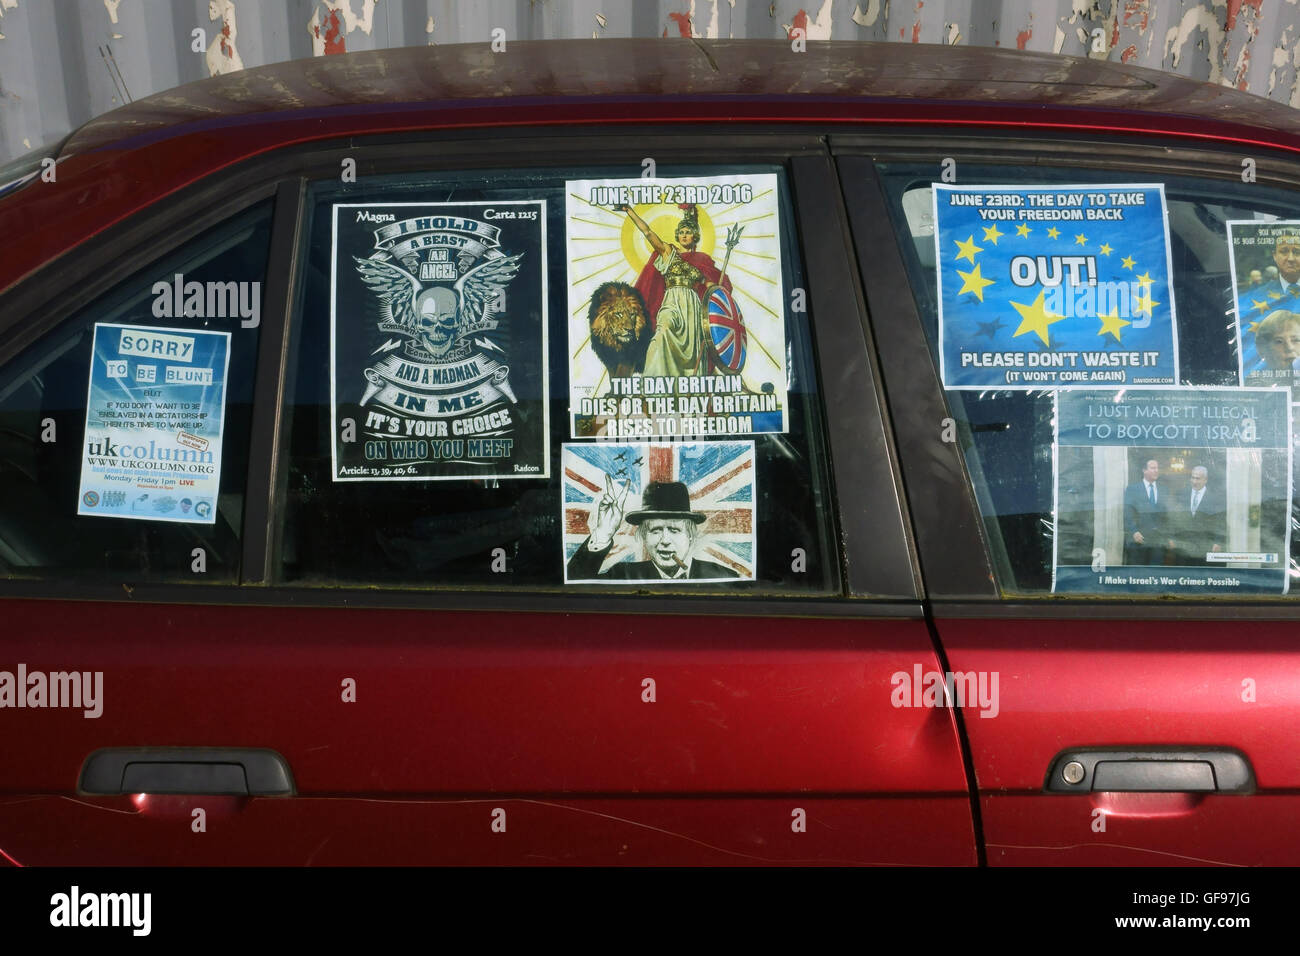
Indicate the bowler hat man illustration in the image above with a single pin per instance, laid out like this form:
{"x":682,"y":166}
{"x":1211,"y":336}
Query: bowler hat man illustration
{"x":667,"y":528}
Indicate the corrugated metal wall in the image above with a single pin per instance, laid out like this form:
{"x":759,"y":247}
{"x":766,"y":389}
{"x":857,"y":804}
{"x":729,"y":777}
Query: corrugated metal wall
{"x":64,"y":61}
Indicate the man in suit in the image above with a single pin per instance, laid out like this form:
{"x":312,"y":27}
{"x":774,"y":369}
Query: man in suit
{"x":666,"y":527}
{"x":1198,"y":520}
{"x":1146,"y":519}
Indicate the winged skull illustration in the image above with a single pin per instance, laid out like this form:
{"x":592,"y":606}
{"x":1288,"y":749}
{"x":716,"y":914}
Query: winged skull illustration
{"x":439,"y":317}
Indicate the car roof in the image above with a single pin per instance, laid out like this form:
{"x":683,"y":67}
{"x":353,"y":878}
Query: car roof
{"x":132,"y":156}
{"x":869,"y":73}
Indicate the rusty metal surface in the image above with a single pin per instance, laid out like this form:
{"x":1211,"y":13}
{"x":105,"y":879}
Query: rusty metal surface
{"x":63,"y":62}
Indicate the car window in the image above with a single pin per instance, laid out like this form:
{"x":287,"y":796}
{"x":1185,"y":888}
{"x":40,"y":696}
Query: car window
{"x":1116,"y":351}
{"x":124,"y":431}
{"x":556,"y":378}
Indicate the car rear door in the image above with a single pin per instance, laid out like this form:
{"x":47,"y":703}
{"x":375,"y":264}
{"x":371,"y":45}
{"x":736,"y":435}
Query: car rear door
{"x":1144,"y":716}
{"x":417,"y":671}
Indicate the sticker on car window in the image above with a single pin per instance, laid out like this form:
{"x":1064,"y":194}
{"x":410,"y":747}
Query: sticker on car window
{"x":438,"y":341}
{"x":1173,"y":491}
{"x":680,"y":511}
{"x":1054,"y":286}
{"x":1266,"y":289}
{"x":155,"y":410}
{"x":676,"y":307}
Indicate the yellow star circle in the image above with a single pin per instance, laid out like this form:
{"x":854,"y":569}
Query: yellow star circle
{"x":1112,"y":324}
{"x":1144,"y":303}
{"x":966,"y":250}
{"x":974,"y":282}
{"x":1035,"y":318}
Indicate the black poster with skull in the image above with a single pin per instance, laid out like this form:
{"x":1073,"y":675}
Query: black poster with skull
{"x":438,"y":341}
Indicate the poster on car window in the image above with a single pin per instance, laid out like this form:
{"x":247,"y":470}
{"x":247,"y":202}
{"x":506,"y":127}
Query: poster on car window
{"x":438,"y":341}
{"x":1173,"y":491}
{"x":1054,"y":286}
{"x":155,"y":412}
{"x":676,"y":307}
{"x":680,"y":512}
{"x":1266,"y":289}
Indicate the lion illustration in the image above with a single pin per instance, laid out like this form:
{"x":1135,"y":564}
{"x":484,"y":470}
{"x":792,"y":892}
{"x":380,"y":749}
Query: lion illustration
{"x":620,"y":328}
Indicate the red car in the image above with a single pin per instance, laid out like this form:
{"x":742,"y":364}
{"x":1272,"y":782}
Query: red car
{"x":659,"y":452}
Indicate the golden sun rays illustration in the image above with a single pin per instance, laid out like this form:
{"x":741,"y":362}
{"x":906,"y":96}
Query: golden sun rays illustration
{"x":606,"y":246}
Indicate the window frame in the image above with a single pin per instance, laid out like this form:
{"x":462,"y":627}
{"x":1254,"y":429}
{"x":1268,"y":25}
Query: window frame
{"x":956,"y":557}
{"x":67,"y":285}
{"x":879,"y":571}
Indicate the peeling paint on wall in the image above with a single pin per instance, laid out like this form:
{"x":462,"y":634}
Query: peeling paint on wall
{"x":1137,"y":20}
{"x":1234,"y":8}
{"x":687,"y":24}
{"x":1086,"y":17}
{"x":326,"y":38}
{"x":222,"y":55}
{"x":364,"y":22}
{"x":683,"y":21}
{"x":332,"y":20}
{"x":7,"y":5}
{"x":1025,"y":35}
{"x":710,"y":31}
{"x":818,"y":29}
{"x":1196,"y":20}
{"x":868,"y":17}
{"x":1285,"y":60}
{"x":1137,"y":15}
{"x":1247,"y":44}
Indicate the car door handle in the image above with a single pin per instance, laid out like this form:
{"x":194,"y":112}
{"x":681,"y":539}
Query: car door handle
{"x":1151,"y":770}
{"x":193,"y":770}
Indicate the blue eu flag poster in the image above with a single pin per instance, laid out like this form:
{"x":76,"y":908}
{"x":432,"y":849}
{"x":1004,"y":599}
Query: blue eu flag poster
{"x":1054,"y":286}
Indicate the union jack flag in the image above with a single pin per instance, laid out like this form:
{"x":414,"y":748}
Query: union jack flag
{"x":726,"y":330}
{"x":719,"y":476}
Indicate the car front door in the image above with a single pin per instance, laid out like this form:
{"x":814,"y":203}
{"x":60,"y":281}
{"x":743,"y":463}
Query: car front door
{"x":410,"y":656}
